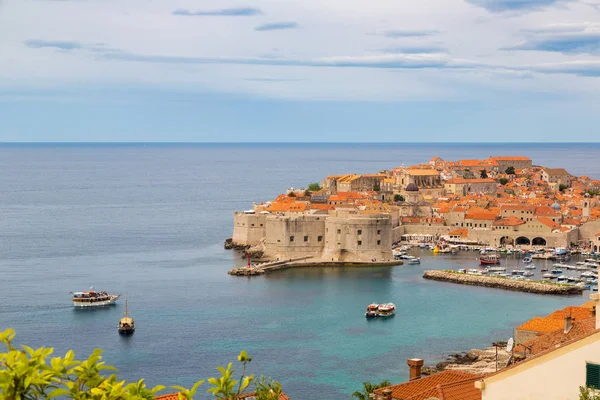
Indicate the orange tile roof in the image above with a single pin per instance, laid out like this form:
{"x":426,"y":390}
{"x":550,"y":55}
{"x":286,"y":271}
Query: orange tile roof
{"x":518,"y":207}
{"x":170,"y":396}
{"x":544,"y":325}
{"x":421,"y":389}
{"x":459,"y":232}
{"x":509,"y":221}
{"x":548,"y":222}
{"x":423,"y":172}
{"x":574,"y":311}
{"x":481,"y":215}
{"x":550,"y":340}
{"x":464,"y":390}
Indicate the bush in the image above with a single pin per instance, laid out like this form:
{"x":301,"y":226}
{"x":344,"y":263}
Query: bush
{"x":29,"y":374}
{"x":503,"y":181}
{"x":562,"y":187}
{"x":510,"y":170}
{"x":398,"y":197}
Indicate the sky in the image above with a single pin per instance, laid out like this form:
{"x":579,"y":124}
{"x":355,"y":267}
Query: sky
{"x":299,"y":70}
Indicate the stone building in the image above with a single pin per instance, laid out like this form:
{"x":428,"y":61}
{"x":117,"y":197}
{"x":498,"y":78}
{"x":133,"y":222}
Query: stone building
{"x":463,"y":186}
{"x":556,"y":177}
{"x":517,"y":162}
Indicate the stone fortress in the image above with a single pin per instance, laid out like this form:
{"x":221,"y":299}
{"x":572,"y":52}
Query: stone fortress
{"x":499,"y":201}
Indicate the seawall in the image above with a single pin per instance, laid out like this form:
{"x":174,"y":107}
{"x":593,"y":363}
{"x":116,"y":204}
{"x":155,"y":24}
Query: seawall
{"x":306,"y":262}
{"x":502,"y":283}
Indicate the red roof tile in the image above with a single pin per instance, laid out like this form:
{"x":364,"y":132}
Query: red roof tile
{"x":420,"y":389}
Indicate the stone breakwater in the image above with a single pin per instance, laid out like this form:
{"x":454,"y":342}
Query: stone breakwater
{"x":502,"y":283}
{"x":305,"y":262}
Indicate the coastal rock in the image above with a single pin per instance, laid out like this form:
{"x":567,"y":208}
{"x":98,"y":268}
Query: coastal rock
{"x":502,"y":283}
{"x":476,"y":361}
{"x":245,"y":271}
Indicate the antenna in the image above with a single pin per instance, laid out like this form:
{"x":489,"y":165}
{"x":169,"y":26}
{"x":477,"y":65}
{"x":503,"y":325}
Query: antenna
{"x":509,"y":345}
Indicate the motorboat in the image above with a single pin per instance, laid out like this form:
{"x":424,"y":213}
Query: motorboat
{"x":527,"y":259}
{"x":557,"y":271}
{"x":530,"y":266}
{"x":549,"y":276}
{"x":386,"y":310}
{"x":489,"y":259}
{"x":528,"y":273}
{"x":413,"y":261}
{"x":93,"y":298}
{"x":372,"y":311}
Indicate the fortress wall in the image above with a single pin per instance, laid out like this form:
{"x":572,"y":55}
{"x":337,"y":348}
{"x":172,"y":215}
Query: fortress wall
{"x":358,"y":238}
{"x":427,"y":230}
{"x":295,"y":236}
{"x":249,"y":229}
{"x":588,"y":231}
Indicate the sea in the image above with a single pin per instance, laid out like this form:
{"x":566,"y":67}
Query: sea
{"x":149,"y":221}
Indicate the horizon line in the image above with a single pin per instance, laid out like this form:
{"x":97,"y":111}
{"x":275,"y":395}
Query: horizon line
{"x":285,"y":143}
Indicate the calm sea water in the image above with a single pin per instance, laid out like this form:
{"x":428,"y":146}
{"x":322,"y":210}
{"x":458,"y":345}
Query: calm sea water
{"x":150,"y":220}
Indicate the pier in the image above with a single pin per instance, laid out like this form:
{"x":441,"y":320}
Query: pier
{"x":305,"y":262}
{"x":503,"y":283}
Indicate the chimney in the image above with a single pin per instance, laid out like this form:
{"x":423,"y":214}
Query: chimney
{"x":568,"y":323}
{"x":593,"y":313}
{"x":415,"y":365}
{"x":387,"y":394}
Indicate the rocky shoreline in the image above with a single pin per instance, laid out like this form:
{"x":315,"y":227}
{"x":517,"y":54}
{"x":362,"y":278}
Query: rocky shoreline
{"x":503,"y":283}
{"x":475,"y":361}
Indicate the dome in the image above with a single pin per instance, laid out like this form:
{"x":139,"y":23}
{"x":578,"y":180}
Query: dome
{"x":412,"y":188}
{"x":555,"y":206}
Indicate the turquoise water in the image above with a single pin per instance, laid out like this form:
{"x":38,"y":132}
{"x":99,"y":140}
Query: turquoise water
{"x":150,"y":221}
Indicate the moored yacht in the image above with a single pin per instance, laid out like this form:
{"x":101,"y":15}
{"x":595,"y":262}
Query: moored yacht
{"x":126,"y":324}
{"x":372,"y":311}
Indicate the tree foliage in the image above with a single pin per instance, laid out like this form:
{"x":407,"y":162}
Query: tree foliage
{"x":503,"y":181}
{"x":562,"y":187}
{"x":587,"y":393}
{"x":510,"y":170}
{"x":314,"y":187}
{"x":368,"y":388}
{"x":483,"y":174}
{"x":377,"y":187}
{"x":398,"y":197}
{"x":30,"y":374}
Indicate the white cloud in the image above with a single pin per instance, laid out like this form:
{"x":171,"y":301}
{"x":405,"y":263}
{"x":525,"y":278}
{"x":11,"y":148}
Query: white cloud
{"x":339,"y":52}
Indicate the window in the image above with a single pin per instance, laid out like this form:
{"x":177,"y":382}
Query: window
{"x":359,"y":242}
{"x":379,"y":232}
{"x":320,"y":238}
{"x":592,"y":375}
{"x":252,"y":225}
{"x":306,"y":238}
{"x":339,"y":231}
{"x":378,"y":242}
{"x":261,"y":224}
{"x":359,"y":232}
{"x":291,"y":238}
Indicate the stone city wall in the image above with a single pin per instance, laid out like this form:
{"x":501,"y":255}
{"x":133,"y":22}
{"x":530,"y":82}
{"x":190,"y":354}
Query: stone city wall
{"x":291,"y":236}
{"x":248,"y":229}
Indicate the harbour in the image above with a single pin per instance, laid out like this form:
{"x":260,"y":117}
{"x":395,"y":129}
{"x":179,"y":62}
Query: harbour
{"x":157,"y":235}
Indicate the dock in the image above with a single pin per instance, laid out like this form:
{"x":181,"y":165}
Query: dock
{"x":503,"y":283}
{"x":306,"y":262}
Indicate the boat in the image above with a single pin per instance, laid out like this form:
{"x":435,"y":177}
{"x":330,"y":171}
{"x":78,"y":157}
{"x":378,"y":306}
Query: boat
{"x":527,"y":259}
{"x":528,"y":273}
{"x":386,"y":310}
{"x":549,"y":276}
{"x":489,"y":259}
{"x":372,"y":311}
{"x":557,"y":271}
{"x":413,"y":261}
{"x":126,"y":324}
{"x":462,"y":271}
{"x":93,"y":298}
{"x":496,"y":269}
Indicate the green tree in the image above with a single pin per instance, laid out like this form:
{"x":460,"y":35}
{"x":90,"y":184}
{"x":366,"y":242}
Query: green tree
{"x":503,"y":181}
{"x":314,"y":187}
{"x":30,"y":374}
{"x":307,"y":193}
{"x":368,"y":388}
{"x":587,"y":393}
{"x":376,"y":187}
{"x":483,"y":174}
{"x":398,"y":197}
{"x":562,"y":187}
{"x":510,"y":170}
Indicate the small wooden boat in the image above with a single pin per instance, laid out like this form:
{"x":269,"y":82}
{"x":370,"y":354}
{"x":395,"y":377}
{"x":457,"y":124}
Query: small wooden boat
{"x":126,"y":324}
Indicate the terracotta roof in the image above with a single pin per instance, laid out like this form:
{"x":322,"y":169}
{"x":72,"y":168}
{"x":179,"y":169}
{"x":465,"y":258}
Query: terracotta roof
{"x":464,"y":390}
{"x":544,"y":325}
{"x":481,"y":215}
{"x":576,"y":312}
{"x":518,"y":207}
{"x":423,"y":172}
{"x":170,"y":396}
{"x":509,"y":221}
{"x":550,"y":340}
{"x":556,"y":171}
{"x":548,"y":222}
{"x":421,"y":389}
{"x":459,"y":232}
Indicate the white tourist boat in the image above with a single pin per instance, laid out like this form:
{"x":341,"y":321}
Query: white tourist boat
{"x":93,"y":298}
{"x":386,"y":310}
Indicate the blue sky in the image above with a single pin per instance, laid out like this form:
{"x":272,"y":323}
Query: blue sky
{"x":300,"y":70}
